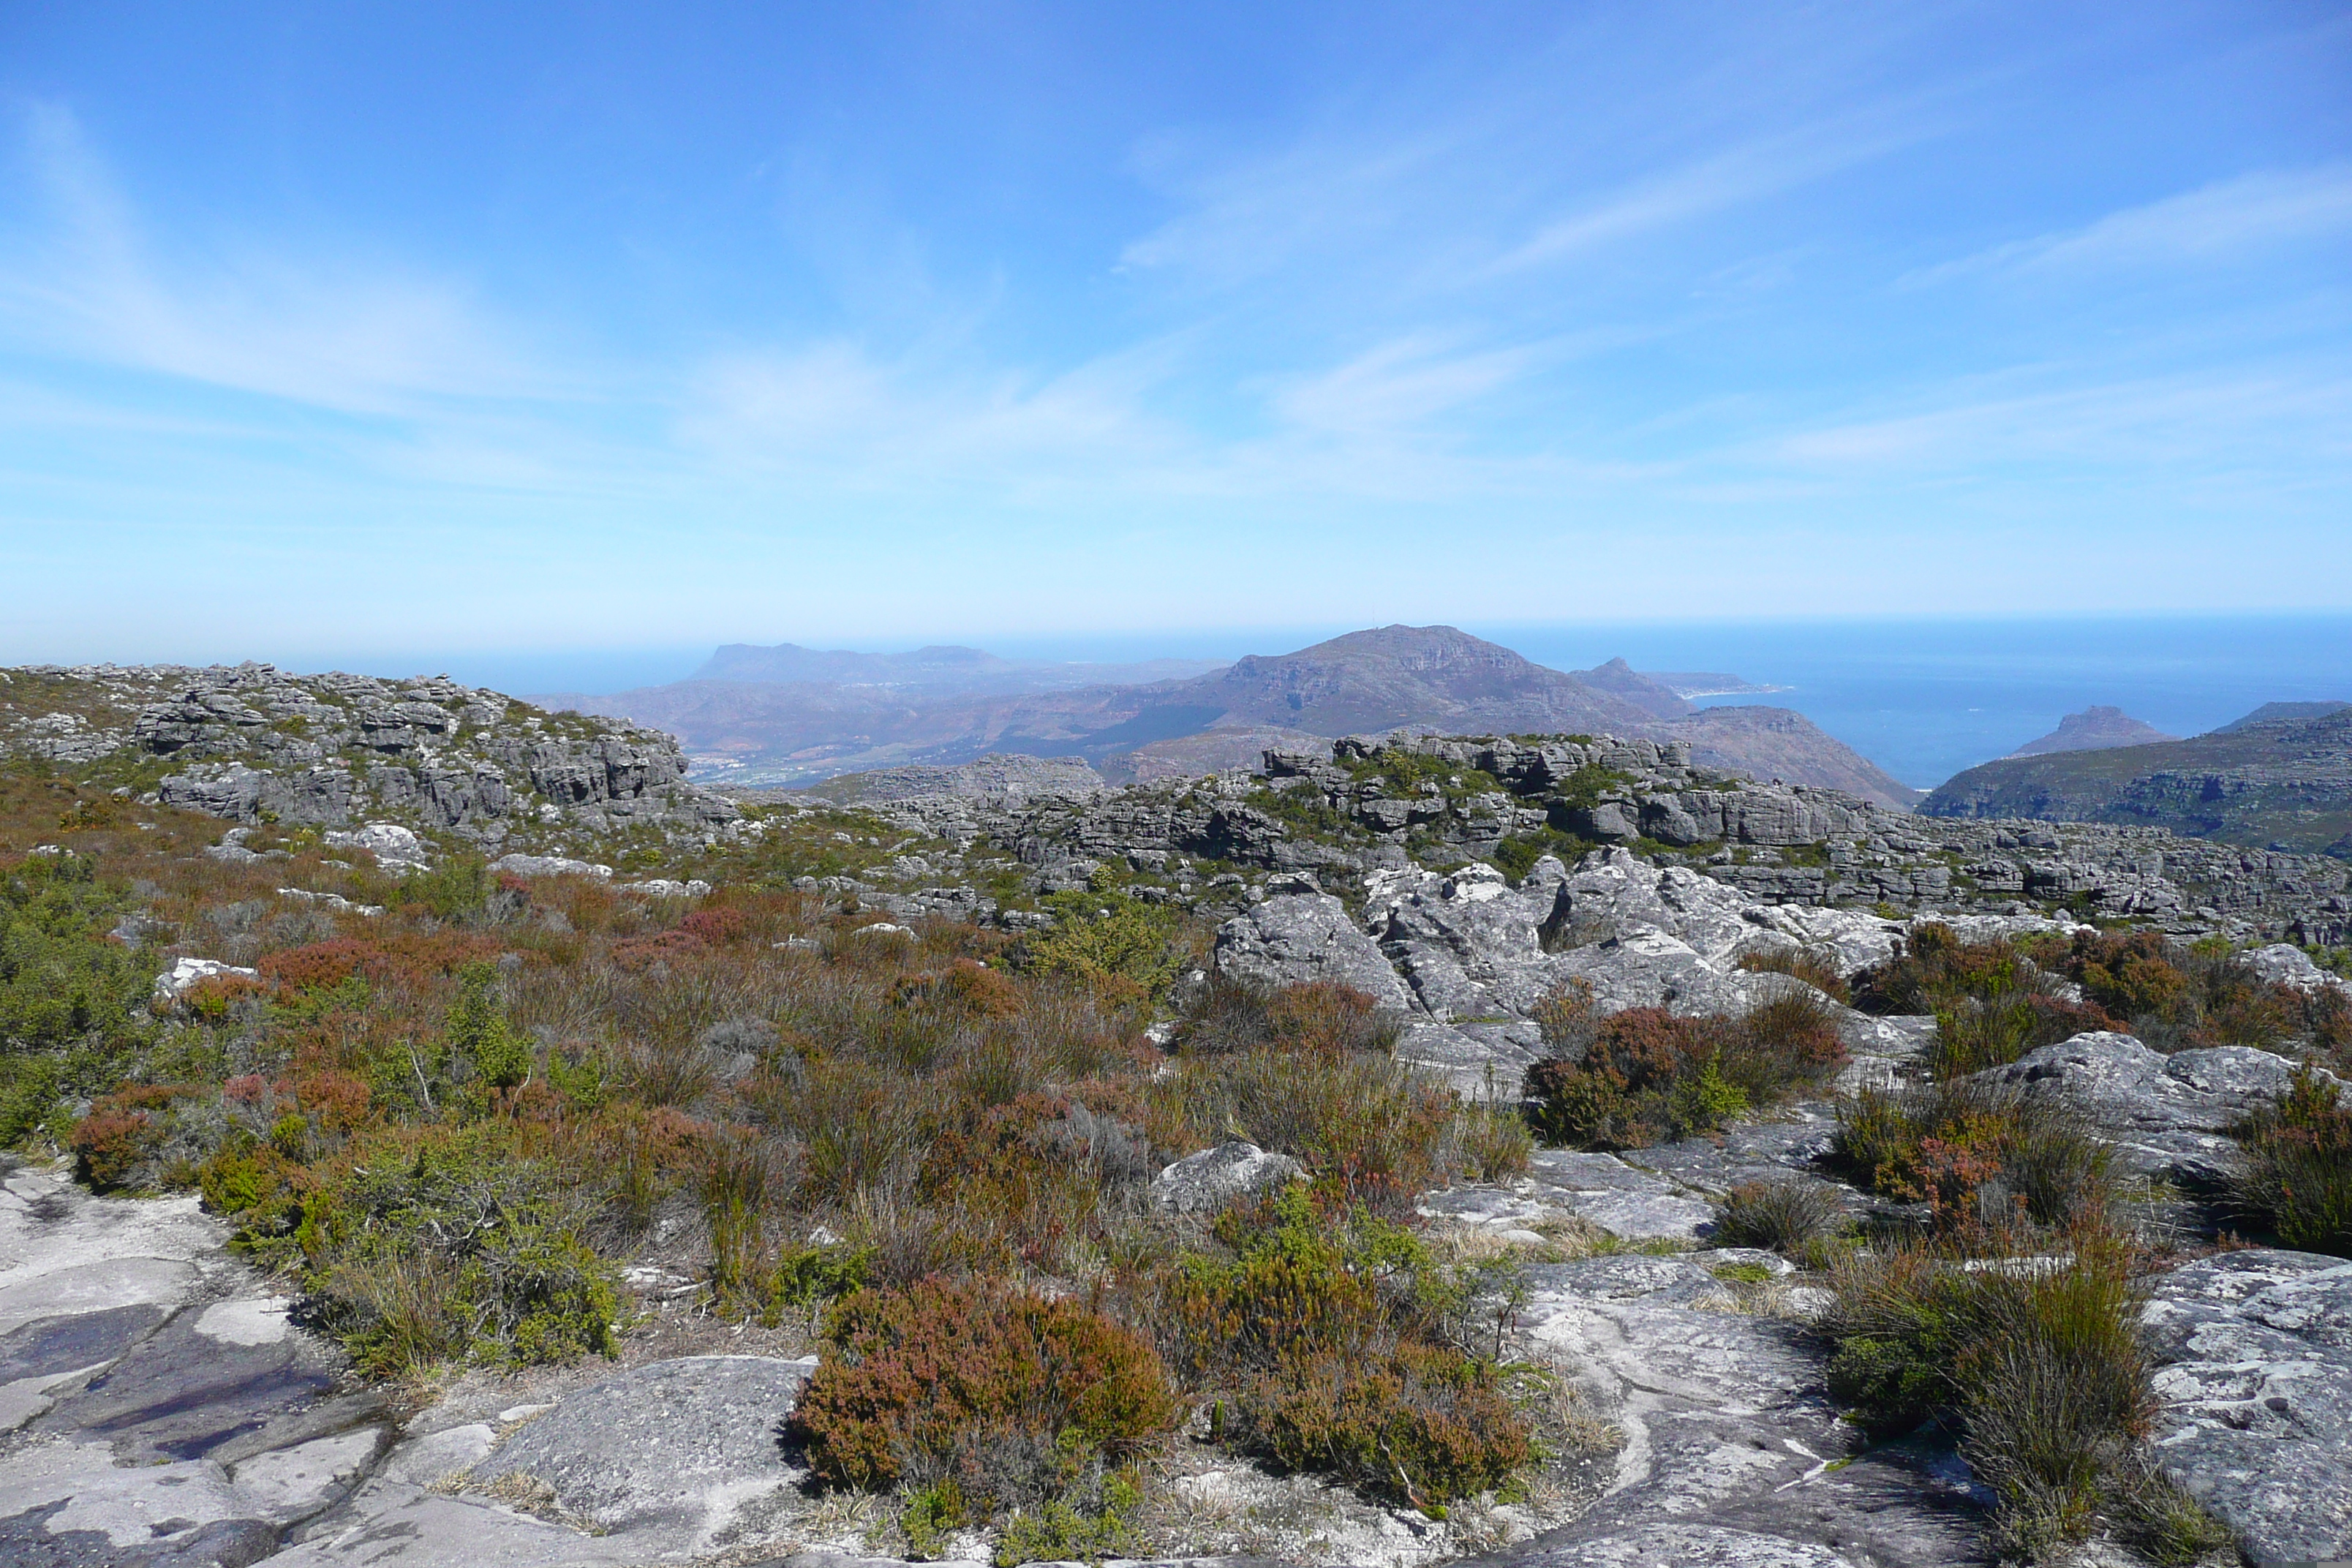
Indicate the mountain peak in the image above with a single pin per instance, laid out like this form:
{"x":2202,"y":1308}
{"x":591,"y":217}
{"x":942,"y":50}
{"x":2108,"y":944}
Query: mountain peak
{"x":2094,"y":729}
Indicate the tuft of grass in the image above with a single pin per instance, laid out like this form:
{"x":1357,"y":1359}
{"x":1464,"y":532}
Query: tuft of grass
{"x":1787,"y":1217}
{"x":2295,"y":1175}
{"x":2034,"y":1355}
{"x":1815,"y":968}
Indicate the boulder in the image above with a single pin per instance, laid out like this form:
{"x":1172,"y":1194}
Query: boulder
{"x":1208,"y":1181}
{"x":548,"y":865}
{"x":2167,"y":1115}
{"x":1303,"y":938}
{"x":663,"y":1456}
{"x":2285,"y":965}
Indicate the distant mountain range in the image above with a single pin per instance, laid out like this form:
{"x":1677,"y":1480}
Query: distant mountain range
{"x":790,"y":715}
{"x":2280,"y":777}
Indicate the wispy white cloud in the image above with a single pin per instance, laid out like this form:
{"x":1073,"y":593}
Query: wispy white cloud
{"x":2228,"y":219}
{"x":1398,"y":386}
{"x":2157,"y":425}
{"x":86,"y":284}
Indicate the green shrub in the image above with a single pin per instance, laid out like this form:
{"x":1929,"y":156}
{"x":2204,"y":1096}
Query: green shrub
{"x":478,"y":1035}
{"x":1331,"y":1333}
{"x":456,"y":890}
{"x":2294,"y":1177}
{"x":1111,"y":941}
{"x":2178,"y":997}
{"x":1981,"y":1156}
{"x":1420,"y":1423}
{"x":1065,"y":1530}
{"x":451,"y":1246}
{"x":1009,"y":1394}
{"x":73,"y":1005}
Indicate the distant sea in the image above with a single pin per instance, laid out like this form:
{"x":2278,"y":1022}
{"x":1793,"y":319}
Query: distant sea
{"x":1922,"y":699}
{"x":1926,"y":699}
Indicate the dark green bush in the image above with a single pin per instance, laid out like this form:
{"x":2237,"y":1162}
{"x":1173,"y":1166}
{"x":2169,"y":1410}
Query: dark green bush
{"x":72,"y":1005}
{"x":1008,"y":1394}
{"x":449,"y":1246}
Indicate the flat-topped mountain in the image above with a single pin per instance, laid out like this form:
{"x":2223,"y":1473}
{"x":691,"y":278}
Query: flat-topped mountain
{"x":2278,"y":782}
{"x":2095,"y":730}
{"x":1389,"y":678}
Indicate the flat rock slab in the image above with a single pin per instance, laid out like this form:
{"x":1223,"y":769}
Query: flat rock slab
{"x":665,"y":1454}
{"x":184,"y":1393}
{"x":64,"y":1505}
{"x":2256,"y":1380}
{"x":1730,"y":1435}
{"x":1563,"y":1184}
{"x":289,"y":1484}
{"x":387,"y":1525}
{"x":1784,"y":1150}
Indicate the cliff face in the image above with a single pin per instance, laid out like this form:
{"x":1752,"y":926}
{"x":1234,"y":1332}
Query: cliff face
{"x":253,"y":744}
{"x":2286,"y":784}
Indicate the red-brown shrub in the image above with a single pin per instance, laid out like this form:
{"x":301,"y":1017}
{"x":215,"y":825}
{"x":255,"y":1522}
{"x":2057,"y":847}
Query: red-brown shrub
{"x":999,"y":1389}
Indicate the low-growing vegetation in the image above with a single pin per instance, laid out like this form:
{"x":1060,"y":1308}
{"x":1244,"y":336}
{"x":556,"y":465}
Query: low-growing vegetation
{"x":2295,"y":1179}
{"x":1646,"y":1075}
{"x":1994,"y":1001}
{"x":928,"y":1151}
{"x":2025,"y":1340}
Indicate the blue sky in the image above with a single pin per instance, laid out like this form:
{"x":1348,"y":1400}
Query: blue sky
{"x":327,"y":330}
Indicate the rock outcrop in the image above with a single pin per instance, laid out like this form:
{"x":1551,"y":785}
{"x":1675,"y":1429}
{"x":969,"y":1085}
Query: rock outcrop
{"x":254,"y":745}
{"x":1435,"y":802}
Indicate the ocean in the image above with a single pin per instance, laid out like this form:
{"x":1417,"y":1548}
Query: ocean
{"x":1926,"y":699}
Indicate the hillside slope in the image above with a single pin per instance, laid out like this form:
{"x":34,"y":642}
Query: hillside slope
{"x":2283,"y":782}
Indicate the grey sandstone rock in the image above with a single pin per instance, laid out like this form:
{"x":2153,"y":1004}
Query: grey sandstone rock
{"x":2167,"y":1115}
{"x":1731,"y":1438}
{"x":1302,"y":937}
{"x":390,"y":1525}
{"x":1566,"y":1185}
{"x":663,"y":1456}
{"x":1208,"y":1181}
{"x":2255,"y":1377}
